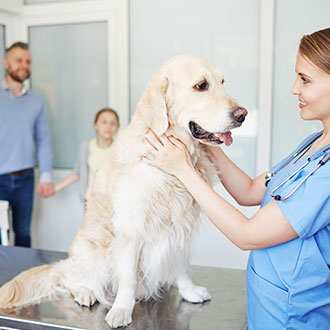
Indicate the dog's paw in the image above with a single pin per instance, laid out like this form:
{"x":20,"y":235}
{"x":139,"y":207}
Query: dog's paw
{"x":195,"y":294}
{"x":83,"y":296}
{"x":119,"y":317}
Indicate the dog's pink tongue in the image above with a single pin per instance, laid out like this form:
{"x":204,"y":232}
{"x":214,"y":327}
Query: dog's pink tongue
{"x":226,"y":138}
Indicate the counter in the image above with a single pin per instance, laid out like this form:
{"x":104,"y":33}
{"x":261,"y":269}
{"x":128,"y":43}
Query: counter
{"x":226,"y":310}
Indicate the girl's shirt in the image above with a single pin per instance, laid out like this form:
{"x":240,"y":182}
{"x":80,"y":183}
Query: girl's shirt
{"x":96,"y":156}
{"x":82,"y":165}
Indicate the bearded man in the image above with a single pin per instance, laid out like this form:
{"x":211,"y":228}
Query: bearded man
{"x":23,"y":134}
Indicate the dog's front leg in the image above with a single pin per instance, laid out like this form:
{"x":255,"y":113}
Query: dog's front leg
{"x":120,"y":314}
{"x":189,"y":291}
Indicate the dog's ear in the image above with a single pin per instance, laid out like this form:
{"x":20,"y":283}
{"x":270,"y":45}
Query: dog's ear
{"x":152,"y":106}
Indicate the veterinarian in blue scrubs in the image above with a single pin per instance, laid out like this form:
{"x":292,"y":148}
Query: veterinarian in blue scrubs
{"x":288,"y":273}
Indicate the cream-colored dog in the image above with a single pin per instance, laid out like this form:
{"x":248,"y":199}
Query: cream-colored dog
{"x":134,"y":241}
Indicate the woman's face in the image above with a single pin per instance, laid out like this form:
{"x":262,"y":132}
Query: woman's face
{"x":312,"y":86}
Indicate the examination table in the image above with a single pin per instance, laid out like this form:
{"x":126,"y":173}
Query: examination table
{"x":226,"y":310}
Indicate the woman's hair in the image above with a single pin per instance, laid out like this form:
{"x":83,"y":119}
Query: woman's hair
{"x":106,"y":110}
{"x":316,"y":48}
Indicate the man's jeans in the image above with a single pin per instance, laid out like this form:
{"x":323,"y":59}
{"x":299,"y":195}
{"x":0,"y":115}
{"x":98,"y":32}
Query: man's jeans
{"x":18,"y":190}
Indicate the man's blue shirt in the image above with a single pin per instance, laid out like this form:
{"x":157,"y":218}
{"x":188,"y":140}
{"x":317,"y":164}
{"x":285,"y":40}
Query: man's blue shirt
{"x":23,"y":132}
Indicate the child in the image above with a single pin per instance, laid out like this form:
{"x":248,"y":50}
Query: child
{"x":93,"y":152}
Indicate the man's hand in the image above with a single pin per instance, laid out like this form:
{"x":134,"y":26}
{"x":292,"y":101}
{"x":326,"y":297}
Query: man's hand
{"x":45,"y":189}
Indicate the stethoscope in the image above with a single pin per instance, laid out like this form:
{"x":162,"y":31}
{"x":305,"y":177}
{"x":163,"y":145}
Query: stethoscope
{"x":304,"y":147}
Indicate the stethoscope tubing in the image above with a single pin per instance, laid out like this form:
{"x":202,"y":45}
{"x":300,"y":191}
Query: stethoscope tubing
{"x":323,"y":161}
{"x":278,"y":197}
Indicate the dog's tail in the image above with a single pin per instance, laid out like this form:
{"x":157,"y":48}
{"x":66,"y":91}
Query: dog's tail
{"x":32,"y":285}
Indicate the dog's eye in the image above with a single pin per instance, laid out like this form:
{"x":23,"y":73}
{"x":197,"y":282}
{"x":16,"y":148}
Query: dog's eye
{"x":223,"y":81}
{"x":202,"y":86}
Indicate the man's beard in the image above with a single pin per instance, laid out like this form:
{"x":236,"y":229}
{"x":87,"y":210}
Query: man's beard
{"x":15,"y":77}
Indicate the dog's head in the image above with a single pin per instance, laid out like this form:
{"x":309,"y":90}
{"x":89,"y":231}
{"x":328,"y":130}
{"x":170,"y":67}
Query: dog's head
{"x":187,"y":93}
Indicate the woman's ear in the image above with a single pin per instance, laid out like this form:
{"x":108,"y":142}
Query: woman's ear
{"x":152,"y":106}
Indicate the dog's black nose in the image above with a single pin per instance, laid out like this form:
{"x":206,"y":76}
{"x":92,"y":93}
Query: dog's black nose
{"x":239,"y":114}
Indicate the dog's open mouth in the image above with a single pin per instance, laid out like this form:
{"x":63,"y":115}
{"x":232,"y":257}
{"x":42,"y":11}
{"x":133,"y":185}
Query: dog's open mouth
{"x":215,"y":138}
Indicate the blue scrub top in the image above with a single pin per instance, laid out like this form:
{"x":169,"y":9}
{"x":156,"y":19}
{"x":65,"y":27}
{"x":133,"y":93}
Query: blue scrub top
{"x":288,"y":285}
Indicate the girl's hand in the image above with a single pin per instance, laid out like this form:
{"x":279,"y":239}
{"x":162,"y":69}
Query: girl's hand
{"x":168,"y":154}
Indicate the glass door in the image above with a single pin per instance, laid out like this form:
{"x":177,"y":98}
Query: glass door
{"x":79,"y":65}
{"x":153,"y":41}
{"x":70,"y":72}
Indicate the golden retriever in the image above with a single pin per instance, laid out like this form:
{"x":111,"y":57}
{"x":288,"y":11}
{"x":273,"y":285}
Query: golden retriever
{"x":134,"y":240}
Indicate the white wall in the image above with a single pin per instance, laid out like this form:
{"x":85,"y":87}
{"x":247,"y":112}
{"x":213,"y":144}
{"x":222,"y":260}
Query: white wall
{"x":12,"y":6}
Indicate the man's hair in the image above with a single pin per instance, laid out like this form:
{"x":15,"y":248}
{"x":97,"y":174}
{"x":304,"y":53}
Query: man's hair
{"x":18,"y":44}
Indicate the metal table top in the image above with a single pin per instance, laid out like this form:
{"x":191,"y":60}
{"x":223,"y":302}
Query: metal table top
{"x":226,"y":310}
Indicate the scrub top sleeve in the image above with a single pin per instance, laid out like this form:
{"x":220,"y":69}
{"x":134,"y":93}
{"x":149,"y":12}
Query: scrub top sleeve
{"x":308,"y":209}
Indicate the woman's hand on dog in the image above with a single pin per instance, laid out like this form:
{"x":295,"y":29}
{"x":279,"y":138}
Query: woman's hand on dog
{"x":167,"y":153}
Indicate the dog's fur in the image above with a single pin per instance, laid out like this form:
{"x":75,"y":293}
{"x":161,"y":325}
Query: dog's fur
{"x":134,"y":241}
